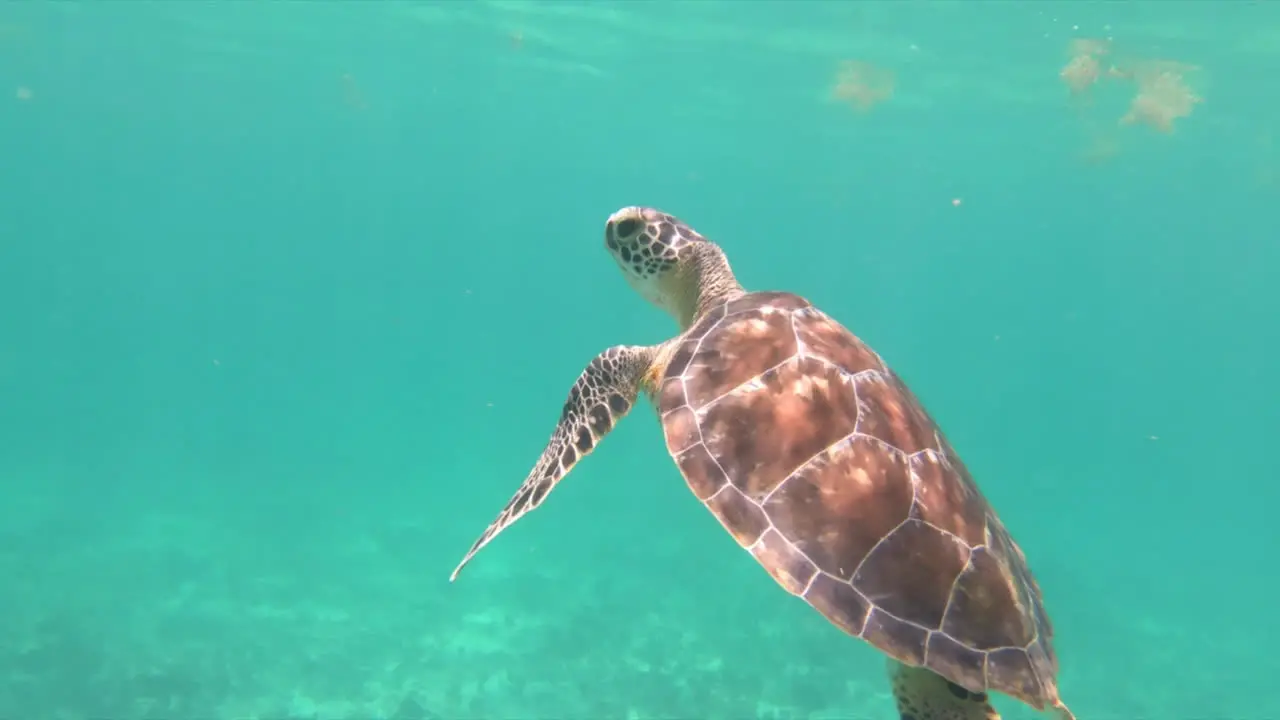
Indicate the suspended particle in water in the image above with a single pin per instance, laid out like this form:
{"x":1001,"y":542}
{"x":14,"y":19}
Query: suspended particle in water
{"x":1163,"y":96}
{"x":1084,"y":66}
{"x":23,"y":93}
{"x":1101,"y":148}
{"x":1080,"y":73}
{"x":352,"y":96}
{"x":862,"y":85}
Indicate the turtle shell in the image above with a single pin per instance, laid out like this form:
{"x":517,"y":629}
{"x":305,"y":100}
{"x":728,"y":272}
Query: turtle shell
{"x":820,"y":462}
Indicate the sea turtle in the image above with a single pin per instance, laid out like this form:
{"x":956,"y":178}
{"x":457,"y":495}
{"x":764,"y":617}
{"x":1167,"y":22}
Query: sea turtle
{"x":824,"y":466}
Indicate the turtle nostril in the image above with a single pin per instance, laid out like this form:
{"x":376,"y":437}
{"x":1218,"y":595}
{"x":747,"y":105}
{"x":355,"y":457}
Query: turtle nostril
{"x":628,"y":227}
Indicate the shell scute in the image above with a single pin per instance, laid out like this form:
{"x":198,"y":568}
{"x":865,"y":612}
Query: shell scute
{"x":985,"y":611}
{"x":768,"y":427}
{"x":845,"y":607}
{"x":823,"y":337}
{"x":741,"y":517}
{"x":844,"y":502}
{"x":898,"y":638}
{"x":679,"y":362}
{"x":680,"y":428}
{"x":962,"y":665}
{"x":776,"y":301}
{"x":784,"y":561}
{"x":671,"y":394}
{"x":911,"y":572}
{"x":947,"y":498}
{"x":701,"y":471}
{"x":738,"y":349}
{"x":1022,"y":582}
{"x":1011,"y":669}
{"x":891,"y":413}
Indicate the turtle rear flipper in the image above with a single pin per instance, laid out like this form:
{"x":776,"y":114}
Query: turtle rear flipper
{"x":602,"y":395}
{"x":922,"y":694}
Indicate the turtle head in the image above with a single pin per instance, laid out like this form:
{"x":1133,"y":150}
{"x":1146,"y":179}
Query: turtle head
{"x":669,"y":263}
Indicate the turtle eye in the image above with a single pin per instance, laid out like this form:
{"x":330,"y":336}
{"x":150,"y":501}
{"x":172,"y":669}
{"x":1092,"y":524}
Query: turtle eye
{"x":627,"y":228}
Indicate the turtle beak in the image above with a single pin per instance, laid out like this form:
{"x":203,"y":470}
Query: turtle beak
{"x":623,"y":225}
{"x":611,"y":236}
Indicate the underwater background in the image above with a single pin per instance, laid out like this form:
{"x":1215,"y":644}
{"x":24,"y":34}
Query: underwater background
{"x":291,"y":295}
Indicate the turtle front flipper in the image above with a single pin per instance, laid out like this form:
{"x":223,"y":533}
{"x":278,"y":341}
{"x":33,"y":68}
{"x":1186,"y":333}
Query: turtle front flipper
{"x":602,"y":395}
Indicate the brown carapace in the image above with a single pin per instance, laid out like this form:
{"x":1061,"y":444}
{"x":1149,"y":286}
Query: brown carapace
{"x":824,"y":466}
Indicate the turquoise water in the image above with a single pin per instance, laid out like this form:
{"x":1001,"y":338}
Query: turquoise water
{"x":291,"y":295}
